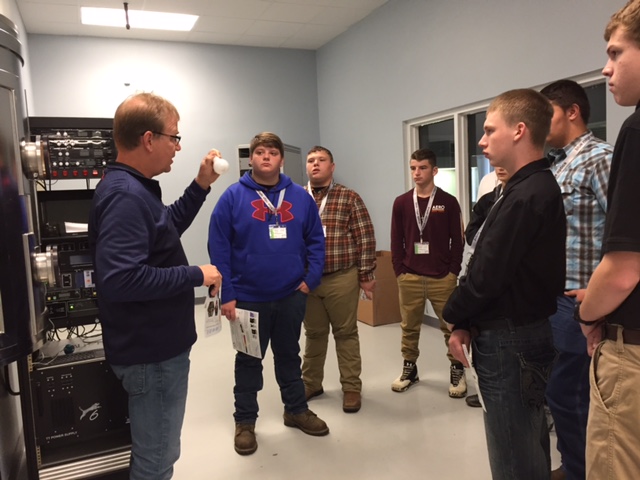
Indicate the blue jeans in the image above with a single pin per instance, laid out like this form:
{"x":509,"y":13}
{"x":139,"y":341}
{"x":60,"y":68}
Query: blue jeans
{"x":279,"y":323}
{"x":513,"y":366}
{"x":157,"y":400}
{"x":568,"y":389}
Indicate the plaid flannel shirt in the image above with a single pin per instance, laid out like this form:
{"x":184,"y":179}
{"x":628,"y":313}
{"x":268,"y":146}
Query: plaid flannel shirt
{"x":583,"y":183}
{"x":350,"y":239}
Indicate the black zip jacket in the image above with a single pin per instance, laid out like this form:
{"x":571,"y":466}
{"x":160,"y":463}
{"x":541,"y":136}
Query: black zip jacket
{"x":518,"y":267}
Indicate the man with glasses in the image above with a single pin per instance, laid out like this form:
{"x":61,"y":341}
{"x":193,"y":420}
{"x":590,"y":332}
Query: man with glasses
{"x":143,"y":279}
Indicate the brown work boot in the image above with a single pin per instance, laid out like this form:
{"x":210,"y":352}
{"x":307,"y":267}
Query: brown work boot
{"x":309,"y":394}
{"x":245,"y":439}
{"x":351,"y":402}
{"x":308,"y":422}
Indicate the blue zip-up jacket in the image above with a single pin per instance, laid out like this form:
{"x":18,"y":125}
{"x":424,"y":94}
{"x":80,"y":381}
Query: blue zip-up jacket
{"x":143,"y":279}
{"x":254,"y":267}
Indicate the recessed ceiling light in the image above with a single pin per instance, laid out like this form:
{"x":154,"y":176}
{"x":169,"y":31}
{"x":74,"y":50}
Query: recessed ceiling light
{"x":114,"y":17}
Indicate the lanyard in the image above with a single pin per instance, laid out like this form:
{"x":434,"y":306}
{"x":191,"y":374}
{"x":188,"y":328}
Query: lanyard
{"x":268,"y":203}
{"x":323,"y":203}
{"x":422,"y":221}
{"x":574,"y":153}
{"x":477,"y":235}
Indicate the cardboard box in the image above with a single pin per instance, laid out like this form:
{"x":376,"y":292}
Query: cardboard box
{"x":384,"y":308}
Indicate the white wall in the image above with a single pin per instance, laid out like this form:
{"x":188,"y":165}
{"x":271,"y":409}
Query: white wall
{"x":225,"y":95}
{"x":413,"y":57}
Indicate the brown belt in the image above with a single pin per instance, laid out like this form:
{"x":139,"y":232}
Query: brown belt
{"x":630,"y":336}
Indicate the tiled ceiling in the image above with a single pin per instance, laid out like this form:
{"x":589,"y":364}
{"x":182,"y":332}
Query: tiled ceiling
{"x":303,"y":24}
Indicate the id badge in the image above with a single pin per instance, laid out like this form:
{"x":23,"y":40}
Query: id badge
{"x":277,"y":232}
{"x":420,"y":248}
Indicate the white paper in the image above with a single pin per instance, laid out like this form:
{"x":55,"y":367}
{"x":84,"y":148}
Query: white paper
{"x":245,"y":333}
{"x":212,"y":316}
{"x":474,"y":374}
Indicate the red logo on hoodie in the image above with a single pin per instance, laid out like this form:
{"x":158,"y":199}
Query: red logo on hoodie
{"x":261,"y":211}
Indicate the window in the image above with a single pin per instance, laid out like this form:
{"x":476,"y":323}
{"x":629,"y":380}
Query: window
{"x":478,"y":164}
{"x":454,"y":134}
{"x":438,"y":137}
{"x":598,"y":100}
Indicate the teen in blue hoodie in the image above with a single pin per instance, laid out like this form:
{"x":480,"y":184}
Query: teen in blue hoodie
{"x":266,"y":239}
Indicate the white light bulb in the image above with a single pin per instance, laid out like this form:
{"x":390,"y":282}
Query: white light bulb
{"x":220,"y":165}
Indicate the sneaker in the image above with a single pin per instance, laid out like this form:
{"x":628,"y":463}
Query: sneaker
{"x":458,"y":385}
{"x":308,"y":422}
{"x":409,"y":377}
{"x":245,"y":439}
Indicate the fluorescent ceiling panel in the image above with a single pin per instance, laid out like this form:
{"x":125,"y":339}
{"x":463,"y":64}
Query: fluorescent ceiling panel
{"x":115,"y":17}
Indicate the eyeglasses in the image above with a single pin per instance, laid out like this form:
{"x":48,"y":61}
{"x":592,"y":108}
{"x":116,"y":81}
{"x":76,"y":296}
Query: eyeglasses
{"x":176,"y":138}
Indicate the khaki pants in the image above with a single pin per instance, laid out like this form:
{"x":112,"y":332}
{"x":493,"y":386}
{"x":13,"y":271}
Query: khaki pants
{"x":414,"y":290}
{"x":613,"y":432}
{"x":333,"y":305}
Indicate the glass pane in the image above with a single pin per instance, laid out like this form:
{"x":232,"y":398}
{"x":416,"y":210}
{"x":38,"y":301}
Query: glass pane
{"x":598,"y":100}
{"x":478,"y":164}
{"x":438,"y":137}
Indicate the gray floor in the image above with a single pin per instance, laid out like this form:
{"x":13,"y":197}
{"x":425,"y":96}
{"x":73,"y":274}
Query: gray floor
{"x":419,"y":433}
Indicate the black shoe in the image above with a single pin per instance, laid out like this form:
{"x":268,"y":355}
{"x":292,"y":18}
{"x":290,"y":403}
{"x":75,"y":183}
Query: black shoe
{"x":473,"y":401}
{"x":558,"y":474}
{"x":408,"y":377}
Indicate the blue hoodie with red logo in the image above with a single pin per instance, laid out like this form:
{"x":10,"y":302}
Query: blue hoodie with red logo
{"x":246,"y":244}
